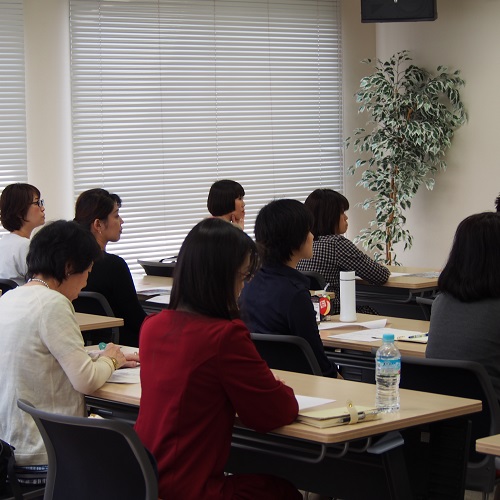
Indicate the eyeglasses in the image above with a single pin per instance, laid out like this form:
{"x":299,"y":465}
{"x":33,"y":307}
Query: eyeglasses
{"x":40,"y":203}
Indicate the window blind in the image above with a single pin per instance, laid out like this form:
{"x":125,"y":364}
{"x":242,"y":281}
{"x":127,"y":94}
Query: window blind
{"x":170,"y":96}
{"x":13,"y":166}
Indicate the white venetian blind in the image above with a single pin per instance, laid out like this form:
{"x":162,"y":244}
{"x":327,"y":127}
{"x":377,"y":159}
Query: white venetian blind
{"x":170,"y":96}
{"x":13,"y":166}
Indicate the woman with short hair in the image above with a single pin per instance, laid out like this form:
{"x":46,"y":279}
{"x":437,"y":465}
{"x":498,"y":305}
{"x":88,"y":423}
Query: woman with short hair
{"x":277,"y":300}
{"x":465,"y":316}
{"x":332,"y":251}
{"x":225,"y":200}
{"x":21,"y":211}
{"x":199,"y":367}
{"x":42,"y":351}
{"x":98,"y":211}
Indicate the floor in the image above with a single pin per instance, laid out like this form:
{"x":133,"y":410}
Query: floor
{"x":469,"y":495}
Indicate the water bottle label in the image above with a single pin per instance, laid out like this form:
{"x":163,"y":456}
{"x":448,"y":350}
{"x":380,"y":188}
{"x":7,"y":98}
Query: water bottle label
{"x":392,"y":365}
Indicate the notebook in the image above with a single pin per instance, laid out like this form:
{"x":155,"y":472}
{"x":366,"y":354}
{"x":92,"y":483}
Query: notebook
{"x":330,"y":417}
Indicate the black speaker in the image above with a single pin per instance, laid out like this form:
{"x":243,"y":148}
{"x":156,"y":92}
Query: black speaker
{"x":387,"y":11}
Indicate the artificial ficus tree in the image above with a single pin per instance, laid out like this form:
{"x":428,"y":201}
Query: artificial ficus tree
{"x":413,"y":117}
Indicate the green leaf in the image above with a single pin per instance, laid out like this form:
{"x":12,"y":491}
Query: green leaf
{"x":412,"y":116}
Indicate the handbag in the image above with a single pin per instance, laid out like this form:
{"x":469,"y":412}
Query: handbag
{"x":7,"y":470}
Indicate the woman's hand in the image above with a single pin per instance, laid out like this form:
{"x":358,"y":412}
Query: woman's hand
{"x":114,"y":351}
{"x":132,"y":360}
{"x":238,"y":221}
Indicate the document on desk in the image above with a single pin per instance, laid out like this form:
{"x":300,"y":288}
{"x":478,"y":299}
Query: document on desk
{"x":376,"y":334}
{"x":126,"y":376}
{"x":159,"y":299}
{"x":427,"y":274}
{"x":330,"y":325}
{"x":311,"y":402}
{"x":164,"y":290}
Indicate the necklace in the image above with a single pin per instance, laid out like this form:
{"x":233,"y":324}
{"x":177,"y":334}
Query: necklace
{"x":39,"y":281}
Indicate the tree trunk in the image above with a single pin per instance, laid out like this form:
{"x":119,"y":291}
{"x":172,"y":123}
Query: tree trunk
{"x":388,"y":226}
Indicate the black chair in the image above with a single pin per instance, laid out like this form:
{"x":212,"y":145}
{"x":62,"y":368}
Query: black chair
{"x":96,"y":303}
{"x":286,"y":352}
{"x":466,"y":379}
{"x":425,"y":304}
{"x":93,"y":458}
{"x":27,"y":492}
{"x":6,"y":285}
{"x":316,"y":280}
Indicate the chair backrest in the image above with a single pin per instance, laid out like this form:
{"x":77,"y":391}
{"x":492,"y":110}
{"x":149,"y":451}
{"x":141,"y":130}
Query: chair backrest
{"x":93,"y":458}
{"x":96,"y":303}
{"x":466,"y":379}
{"x":425,"y":304}
{"x":6,"y":285}
{"x":286,"y":352}
{"x":316,"y":280}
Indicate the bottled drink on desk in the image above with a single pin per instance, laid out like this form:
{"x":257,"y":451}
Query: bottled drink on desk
{"x":387,"y":373}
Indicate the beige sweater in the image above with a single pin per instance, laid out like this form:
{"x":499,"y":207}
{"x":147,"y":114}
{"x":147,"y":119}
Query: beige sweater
{"x":42,"y":360}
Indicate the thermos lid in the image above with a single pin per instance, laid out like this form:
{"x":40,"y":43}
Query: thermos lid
{"x":347,"y":275}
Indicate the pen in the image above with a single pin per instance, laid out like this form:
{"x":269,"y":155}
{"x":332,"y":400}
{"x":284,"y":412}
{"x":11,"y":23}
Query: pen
{"x":420,"y":335}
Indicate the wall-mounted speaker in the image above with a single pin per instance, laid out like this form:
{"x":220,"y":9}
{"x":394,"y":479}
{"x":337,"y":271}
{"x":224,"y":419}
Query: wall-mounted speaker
{"x":387,"y":11}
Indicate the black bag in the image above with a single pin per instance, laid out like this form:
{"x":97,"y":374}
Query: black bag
{"x":7,"y":471}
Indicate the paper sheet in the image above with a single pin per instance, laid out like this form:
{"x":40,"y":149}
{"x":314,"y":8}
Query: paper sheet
{"x":160,"y":299}
{"x":376,"y":334}
{"x":126,"y":376}
{"x":329,"y":325}
{"x":310,"y":401}
{"x":427,"y":274}
{"x":155,"y":290}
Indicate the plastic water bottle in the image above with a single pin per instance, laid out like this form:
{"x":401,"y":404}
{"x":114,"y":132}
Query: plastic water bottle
{"x":387,"y":373}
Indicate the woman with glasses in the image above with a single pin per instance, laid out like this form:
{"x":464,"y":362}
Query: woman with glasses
{"x":199,"y":367}
{"x":21,"y":211}
{"x":98,"y":211}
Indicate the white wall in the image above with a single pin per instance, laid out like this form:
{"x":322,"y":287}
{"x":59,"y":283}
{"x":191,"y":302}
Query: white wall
{"x":48,"y":102}
{"x":464,"y":37}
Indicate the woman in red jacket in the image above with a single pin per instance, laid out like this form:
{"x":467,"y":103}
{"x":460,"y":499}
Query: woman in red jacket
{"x":199,"y":368}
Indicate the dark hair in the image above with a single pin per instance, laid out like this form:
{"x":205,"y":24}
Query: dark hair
{"x":222,"y":196}
{"x":326,"y":206}
{"x":207,"y":266}
{"x":61,"y":247}
{"x":281,"y":228}
{"x":95,"y":204}
{"x":497,"y":203}
{"x":473,"y":269}
{"x":15,"y":201}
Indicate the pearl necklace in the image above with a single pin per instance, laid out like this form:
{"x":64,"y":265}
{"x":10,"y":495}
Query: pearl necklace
{"x":39,"y":281}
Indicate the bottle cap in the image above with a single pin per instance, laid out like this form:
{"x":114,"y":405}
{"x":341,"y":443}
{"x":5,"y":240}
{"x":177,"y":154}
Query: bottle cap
{"x":388,"y":337}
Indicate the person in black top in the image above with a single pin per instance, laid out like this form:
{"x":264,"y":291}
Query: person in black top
{"x":277,"y":299}
{"x":98,"y":210}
